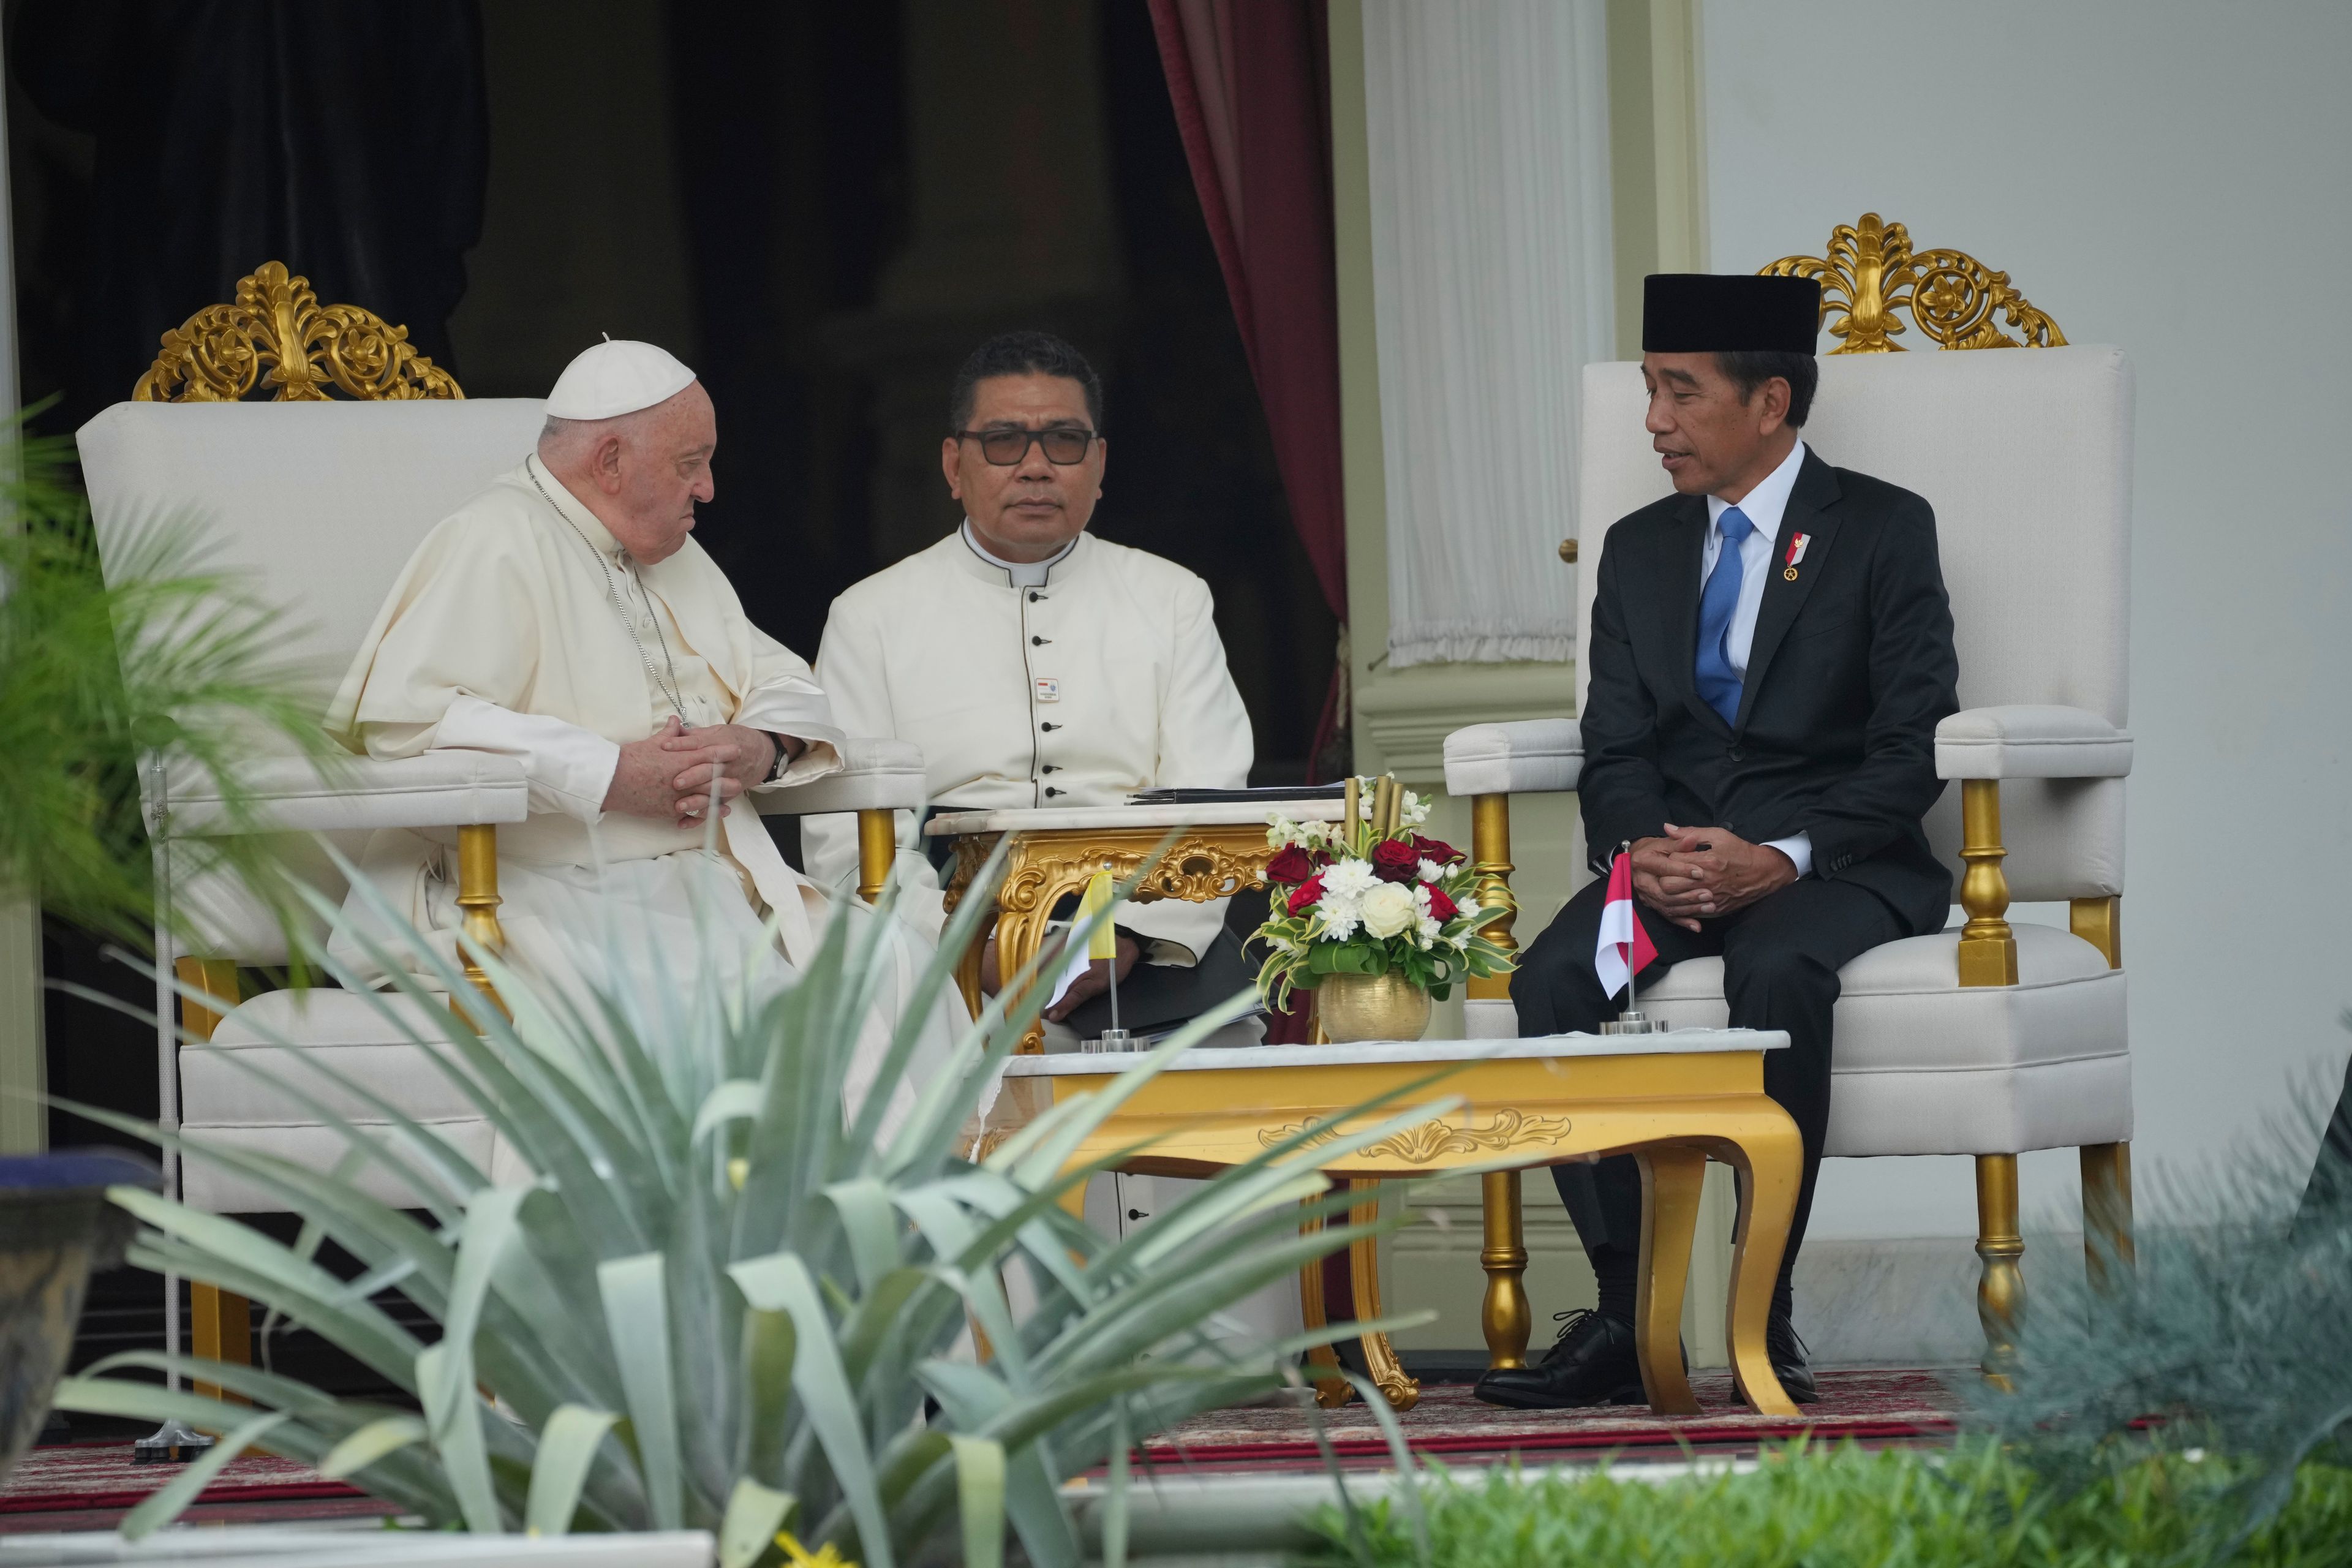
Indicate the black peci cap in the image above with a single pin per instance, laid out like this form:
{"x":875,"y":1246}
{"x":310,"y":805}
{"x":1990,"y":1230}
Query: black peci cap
{"x":1706,"y":312}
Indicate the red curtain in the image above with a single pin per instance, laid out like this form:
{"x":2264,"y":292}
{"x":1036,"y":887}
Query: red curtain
{"x":1252,"y":87}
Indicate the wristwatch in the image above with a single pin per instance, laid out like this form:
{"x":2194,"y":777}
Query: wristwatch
{"x":776,"y":768}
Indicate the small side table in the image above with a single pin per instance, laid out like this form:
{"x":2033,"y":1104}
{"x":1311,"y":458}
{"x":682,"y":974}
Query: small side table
{"x":1217,"y":850}
{"x":1672,"y":1100}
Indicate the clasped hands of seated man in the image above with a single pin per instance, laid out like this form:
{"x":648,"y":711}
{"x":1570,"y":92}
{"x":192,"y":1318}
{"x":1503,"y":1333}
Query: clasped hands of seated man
{"x":1692,"y":874}
{"x":670,"y":773}
{"x":1086,"y":987}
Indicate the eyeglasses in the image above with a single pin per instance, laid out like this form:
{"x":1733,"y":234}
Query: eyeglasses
{"x":1007,"y":446}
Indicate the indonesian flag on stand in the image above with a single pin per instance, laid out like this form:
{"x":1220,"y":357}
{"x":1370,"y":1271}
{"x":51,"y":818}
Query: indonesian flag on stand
{"x":1624,"y":949}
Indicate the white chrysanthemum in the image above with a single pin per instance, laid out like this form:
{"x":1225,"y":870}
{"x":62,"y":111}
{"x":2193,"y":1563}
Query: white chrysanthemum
{"x":1387,"y":910}
{"x":1338,"y":924}
{"x":1412,"y":811}
{"x":1431,"y":931}
{"x":1431,"y":871}
{"x":1350,"y":878}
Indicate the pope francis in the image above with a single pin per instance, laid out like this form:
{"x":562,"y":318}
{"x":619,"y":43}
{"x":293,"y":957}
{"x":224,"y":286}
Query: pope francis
{"x":564,"y":617}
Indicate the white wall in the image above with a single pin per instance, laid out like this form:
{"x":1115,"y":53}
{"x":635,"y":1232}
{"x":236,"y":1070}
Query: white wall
{"x":2174,"y":177}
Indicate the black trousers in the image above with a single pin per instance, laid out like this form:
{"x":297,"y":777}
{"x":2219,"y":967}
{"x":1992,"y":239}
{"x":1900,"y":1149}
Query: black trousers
{"x":2331,"y":1173}
{"x":1781,"y":961}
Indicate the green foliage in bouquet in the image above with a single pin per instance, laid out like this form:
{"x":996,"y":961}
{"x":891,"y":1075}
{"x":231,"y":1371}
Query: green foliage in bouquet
{"x":1347,"y":899}
{"x":2233,"y":1333}
{"x":722,"y":1303}
{"x":171,"y":657}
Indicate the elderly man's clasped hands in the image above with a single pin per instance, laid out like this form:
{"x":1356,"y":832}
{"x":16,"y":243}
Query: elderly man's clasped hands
{"x":1692,"y":874}
{"x":668,"y":774}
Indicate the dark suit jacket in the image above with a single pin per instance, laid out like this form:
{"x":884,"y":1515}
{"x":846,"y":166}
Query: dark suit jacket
{"x":1851,"y":669}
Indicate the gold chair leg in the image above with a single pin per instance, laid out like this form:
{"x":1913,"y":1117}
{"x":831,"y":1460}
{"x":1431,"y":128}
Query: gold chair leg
{"x":2107,"y":1209}
{"x":1672,"y":1178}
{"x":1490,"y":858}
{"x":215,"y":977}
{"x":220,"y":1324}
{"x":1988,"y":947}
{"x":2001,"y":1289}
{"x":1506,"y":1316}
{"x":1364,"y":1270}
{"x":478,"y":898}
{"x":877,"y":847}
{"x":2100,"y":922}
{"x":220,"y":1328}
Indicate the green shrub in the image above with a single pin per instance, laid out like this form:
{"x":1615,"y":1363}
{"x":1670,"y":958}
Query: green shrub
{"x":1847,"y":1508}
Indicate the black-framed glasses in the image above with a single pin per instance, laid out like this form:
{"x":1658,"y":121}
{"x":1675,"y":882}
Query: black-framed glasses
{"x":1007,"y":445}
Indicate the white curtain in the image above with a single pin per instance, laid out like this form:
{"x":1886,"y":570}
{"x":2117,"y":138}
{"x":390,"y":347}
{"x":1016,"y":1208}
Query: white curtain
{"x":1487,"y":122}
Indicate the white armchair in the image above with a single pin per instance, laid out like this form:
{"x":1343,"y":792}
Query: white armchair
{"x":1986,"y":1040}
{"x":320,"y":504}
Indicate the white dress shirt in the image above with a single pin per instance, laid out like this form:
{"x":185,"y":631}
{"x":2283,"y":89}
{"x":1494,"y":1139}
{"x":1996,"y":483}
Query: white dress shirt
{"x":1763,"y":507}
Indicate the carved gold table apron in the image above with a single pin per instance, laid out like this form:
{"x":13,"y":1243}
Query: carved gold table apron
{"x":1672,"y":1100}
{"x":1216,"y":851}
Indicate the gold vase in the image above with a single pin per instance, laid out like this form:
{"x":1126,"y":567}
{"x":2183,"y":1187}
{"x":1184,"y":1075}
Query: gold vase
{"x":1370,"y":1007}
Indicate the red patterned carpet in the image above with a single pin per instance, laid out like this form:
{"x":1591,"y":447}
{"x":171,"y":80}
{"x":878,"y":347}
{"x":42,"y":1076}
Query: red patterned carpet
{"x":87,"y":1486}
{"x":98,"y":1480}
{"x":1448,"y":1422}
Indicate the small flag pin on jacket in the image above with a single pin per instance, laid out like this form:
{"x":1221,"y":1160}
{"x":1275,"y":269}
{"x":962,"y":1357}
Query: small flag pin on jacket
{"x":1796,"y":543}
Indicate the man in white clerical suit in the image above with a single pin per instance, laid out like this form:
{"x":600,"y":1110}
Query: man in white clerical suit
{"x":1037,"y":665}
{"x":564,"y":617}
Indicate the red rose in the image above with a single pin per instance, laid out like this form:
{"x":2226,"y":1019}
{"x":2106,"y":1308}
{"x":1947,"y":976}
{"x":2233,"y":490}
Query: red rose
{"x":1291,"y":867}
{"x":1442,"y":908}
{"x":1437,"y":849}
{"x":1307,"y":896}
{"x":1394,"y":860}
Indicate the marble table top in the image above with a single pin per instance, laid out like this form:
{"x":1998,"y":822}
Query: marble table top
{"x":1208,"y":814}
{"x":1675,"y":1042}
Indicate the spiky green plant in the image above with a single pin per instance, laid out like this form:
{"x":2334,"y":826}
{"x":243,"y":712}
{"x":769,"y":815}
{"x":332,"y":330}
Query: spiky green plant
{"x":722,"y":1303}
{"x":172,"y":656}
{"x":2232,"y":1332}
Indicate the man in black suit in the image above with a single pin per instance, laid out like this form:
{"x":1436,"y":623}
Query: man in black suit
{"x":1771,"y":651}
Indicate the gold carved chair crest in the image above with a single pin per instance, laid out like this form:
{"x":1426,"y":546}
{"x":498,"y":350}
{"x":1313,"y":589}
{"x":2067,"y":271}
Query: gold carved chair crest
{"x":1871,"y":271}
{"x":275,"y":333}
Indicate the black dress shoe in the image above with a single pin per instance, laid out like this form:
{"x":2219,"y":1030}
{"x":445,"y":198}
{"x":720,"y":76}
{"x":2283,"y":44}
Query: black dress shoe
{"x":1591,"y":1362}
{"x":1787,"y":1353}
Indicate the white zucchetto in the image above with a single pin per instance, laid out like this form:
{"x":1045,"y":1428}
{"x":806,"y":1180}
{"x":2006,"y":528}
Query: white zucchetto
{"x":617,"y":378}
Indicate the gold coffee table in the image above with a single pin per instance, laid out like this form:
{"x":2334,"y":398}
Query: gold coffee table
{"x":1672,"y":1100}
{"x":1218,"y":850}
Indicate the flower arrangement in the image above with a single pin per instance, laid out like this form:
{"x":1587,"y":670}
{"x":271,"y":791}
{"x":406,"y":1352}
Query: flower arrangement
{"x":1370,"y":895}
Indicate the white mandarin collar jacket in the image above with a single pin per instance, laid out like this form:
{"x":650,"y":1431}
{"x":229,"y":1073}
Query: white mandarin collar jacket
{"x":1105,"y":679}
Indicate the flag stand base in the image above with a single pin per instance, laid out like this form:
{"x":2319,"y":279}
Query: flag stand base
{"x":1631,"y":1022}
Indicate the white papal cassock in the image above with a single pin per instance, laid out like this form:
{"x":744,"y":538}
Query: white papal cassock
{"x":1101,"y":675}
{"x":521,"y":628}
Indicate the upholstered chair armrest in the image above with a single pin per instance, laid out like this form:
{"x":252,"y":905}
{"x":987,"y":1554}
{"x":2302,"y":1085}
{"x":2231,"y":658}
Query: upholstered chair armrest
{"x":876,"y":775}
{"x":1532,"y":756}
{"x":2031,"y":741}
{"x":298,"y":794}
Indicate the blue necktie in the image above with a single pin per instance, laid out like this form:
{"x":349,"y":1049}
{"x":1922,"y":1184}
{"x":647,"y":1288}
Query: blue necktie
{"x":1718,"y":683}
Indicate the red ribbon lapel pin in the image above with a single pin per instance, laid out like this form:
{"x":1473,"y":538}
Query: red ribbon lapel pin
{"x":1796,"y":543}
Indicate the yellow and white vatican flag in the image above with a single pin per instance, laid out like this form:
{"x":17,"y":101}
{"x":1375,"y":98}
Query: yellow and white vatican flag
{"x":1101,"y":943}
